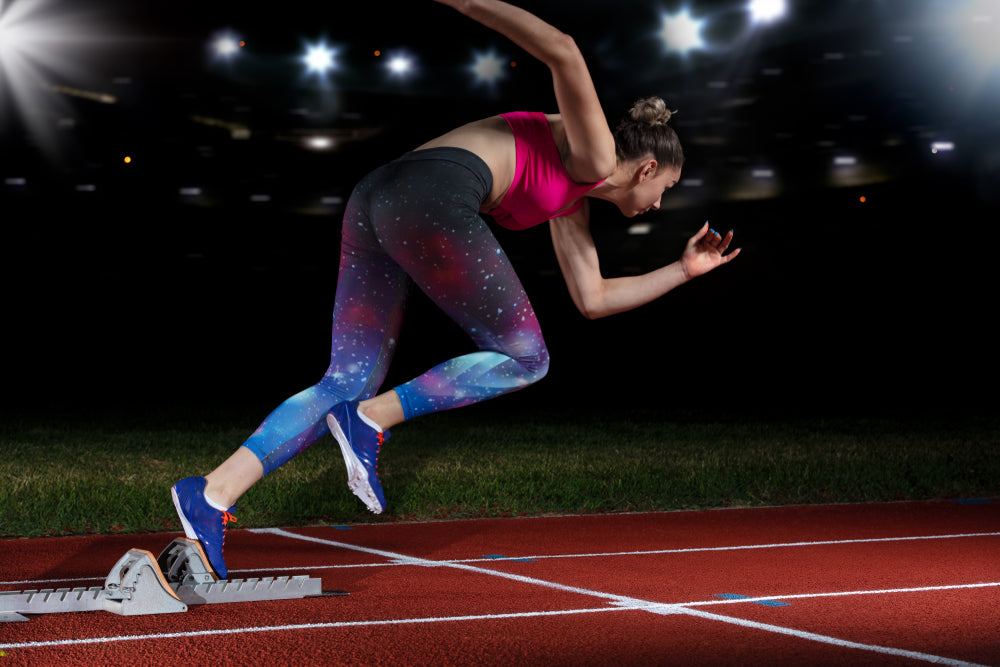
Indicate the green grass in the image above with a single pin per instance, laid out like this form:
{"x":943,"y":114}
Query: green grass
{"x":112,"y":474}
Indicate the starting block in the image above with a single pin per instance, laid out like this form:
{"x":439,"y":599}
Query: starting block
{"x":139,"y":584}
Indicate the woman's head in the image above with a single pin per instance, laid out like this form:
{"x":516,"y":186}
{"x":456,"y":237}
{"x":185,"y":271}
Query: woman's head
{"x":649,"y":156}
{"x":644,"y":131}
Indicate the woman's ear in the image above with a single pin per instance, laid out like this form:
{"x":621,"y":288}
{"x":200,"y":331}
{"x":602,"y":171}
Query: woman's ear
{"x":647,"y":169}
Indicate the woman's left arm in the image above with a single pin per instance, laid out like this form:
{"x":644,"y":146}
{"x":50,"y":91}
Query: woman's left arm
{"x":596,"y":296}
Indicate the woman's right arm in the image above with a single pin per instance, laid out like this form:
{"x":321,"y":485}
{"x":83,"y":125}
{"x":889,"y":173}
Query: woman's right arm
{"x":596,"y":296}
{"x":591,"y":144}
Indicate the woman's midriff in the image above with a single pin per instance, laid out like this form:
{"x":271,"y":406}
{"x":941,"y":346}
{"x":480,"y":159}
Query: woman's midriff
{"x":492,"y":140}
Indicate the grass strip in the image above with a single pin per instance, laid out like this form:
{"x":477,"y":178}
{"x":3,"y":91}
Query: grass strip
{"x":112,"y":474}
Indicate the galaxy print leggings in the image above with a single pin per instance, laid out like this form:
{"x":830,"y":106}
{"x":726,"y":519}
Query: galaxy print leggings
{"x":415,"y":221}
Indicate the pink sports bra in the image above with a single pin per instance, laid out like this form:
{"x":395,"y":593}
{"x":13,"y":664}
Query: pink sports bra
{"x":542,"y":188}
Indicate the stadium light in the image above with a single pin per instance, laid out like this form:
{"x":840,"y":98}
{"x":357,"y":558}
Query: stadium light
{"x":8,"y":35}
{"x":319,"y":58}
{"x":36,"y":47}
{"x":17,"y":32}
{"x":487,"y":68}
{"x":766,"y":11}
{"x":680,"y":32}
{"x":226,"y":45}
{"x":400,"y":65}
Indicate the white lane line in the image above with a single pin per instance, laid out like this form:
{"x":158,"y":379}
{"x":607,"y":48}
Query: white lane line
{"x":423,"y":562}
{"x":609,"y":554}
{"x":618,"y":602}
{"x":777,"y":545}
{"x":652,"y":552}
{"x":489,"y":617}
{"x":824,"y":639}
{"x":810,"y":596}
{"x":304,"y":626}
{"x":634,"y":603}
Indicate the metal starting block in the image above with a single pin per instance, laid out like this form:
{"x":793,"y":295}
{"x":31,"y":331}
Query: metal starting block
{"x":138,"y":584}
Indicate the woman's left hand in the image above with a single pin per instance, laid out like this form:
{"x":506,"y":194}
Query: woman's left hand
{"x":705,"y":251}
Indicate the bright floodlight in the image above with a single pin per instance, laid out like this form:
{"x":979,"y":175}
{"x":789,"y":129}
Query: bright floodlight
{"x":36,"y":50}
{"x":681,"y":32}
{"x":319,"y":58}
{"x":765,"y":11}
{"x":400,"y":65}
{"x":8,"y":33}
{"x":319,"y":142}
{"x":487,"y":68}
{"x":226,"y":45}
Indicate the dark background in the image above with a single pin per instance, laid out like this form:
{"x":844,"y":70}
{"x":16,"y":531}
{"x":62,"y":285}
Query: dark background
{"x":123,"y":288}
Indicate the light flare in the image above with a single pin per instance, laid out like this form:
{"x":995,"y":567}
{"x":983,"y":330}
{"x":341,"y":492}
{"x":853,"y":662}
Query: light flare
{"x":681,"y":32}
{"x":487,"y":68}
{"x":41,"y":57}
{"x":320,"y":58}
{"x":767,"y":11}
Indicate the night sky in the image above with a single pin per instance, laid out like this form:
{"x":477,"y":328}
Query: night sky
{"x":170,"y":230}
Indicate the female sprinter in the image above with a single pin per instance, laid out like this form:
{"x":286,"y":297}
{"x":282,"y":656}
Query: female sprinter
{"x":419,"y":220}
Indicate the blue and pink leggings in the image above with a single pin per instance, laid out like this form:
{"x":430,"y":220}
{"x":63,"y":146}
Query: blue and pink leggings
{"x":415,"y":220}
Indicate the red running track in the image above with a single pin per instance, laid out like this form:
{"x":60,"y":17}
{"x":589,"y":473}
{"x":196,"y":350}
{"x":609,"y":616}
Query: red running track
{"x":882,"y":584}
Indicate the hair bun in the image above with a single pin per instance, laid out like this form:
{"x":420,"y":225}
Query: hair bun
{"x":652,"y":111}
{"x":644,"y":131}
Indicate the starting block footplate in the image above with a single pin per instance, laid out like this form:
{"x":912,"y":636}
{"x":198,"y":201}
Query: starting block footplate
{"x":139,"y":584}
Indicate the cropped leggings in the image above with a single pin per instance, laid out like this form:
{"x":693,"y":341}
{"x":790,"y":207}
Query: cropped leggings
{"x":415,"y":220}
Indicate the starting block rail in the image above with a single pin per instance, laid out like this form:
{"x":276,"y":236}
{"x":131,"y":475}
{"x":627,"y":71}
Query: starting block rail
{"x":139,"y":584}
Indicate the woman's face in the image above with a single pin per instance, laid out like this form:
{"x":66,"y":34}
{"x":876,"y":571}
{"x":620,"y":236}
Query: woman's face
{"x":648,"y":189}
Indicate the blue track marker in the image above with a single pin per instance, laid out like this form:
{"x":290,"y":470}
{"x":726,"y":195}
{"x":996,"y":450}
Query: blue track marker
{"x":516,"y":560}
{"x":766,"y":603}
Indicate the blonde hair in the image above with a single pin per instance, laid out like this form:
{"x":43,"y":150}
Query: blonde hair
{"x":644,"y":130}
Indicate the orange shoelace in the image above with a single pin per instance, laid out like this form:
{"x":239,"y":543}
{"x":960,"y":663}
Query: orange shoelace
{"x":378,"y":448}
{"x":226,"y":518}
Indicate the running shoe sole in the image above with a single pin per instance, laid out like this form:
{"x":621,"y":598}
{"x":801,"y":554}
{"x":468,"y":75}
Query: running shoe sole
{"x":188,"y":528}
{"x":357,"y":476}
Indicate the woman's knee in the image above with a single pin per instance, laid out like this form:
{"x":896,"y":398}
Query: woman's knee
{"x":535,"y":363}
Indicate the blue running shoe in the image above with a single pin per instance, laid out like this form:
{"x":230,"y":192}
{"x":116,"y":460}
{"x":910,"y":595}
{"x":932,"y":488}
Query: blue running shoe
{"x":201,"y":521}
{"x":360,"y":442}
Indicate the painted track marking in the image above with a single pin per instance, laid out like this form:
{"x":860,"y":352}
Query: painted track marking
{"x":618,"y":602}
{"x":649,"y":552}
{"x":309,"y":626}
{"x":636,"y":604}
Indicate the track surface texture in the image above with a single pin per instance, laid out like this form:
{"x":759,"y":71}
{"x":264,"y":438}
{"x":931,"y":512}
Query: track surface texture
{"x":874,"y":584}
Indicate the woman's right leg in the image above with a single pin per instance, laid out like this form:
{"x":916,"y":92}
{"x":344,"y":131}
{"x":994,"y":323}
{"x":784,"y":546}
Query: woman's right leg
{"x":368,"y":313}
{"x":426,"y":217}
{"x":367,"y":316}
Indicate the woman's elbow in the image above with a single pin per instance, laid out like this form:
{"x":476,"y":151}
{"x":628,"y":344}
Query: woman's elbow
{"x":561,"y":50}
{"x":591,"y":308}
